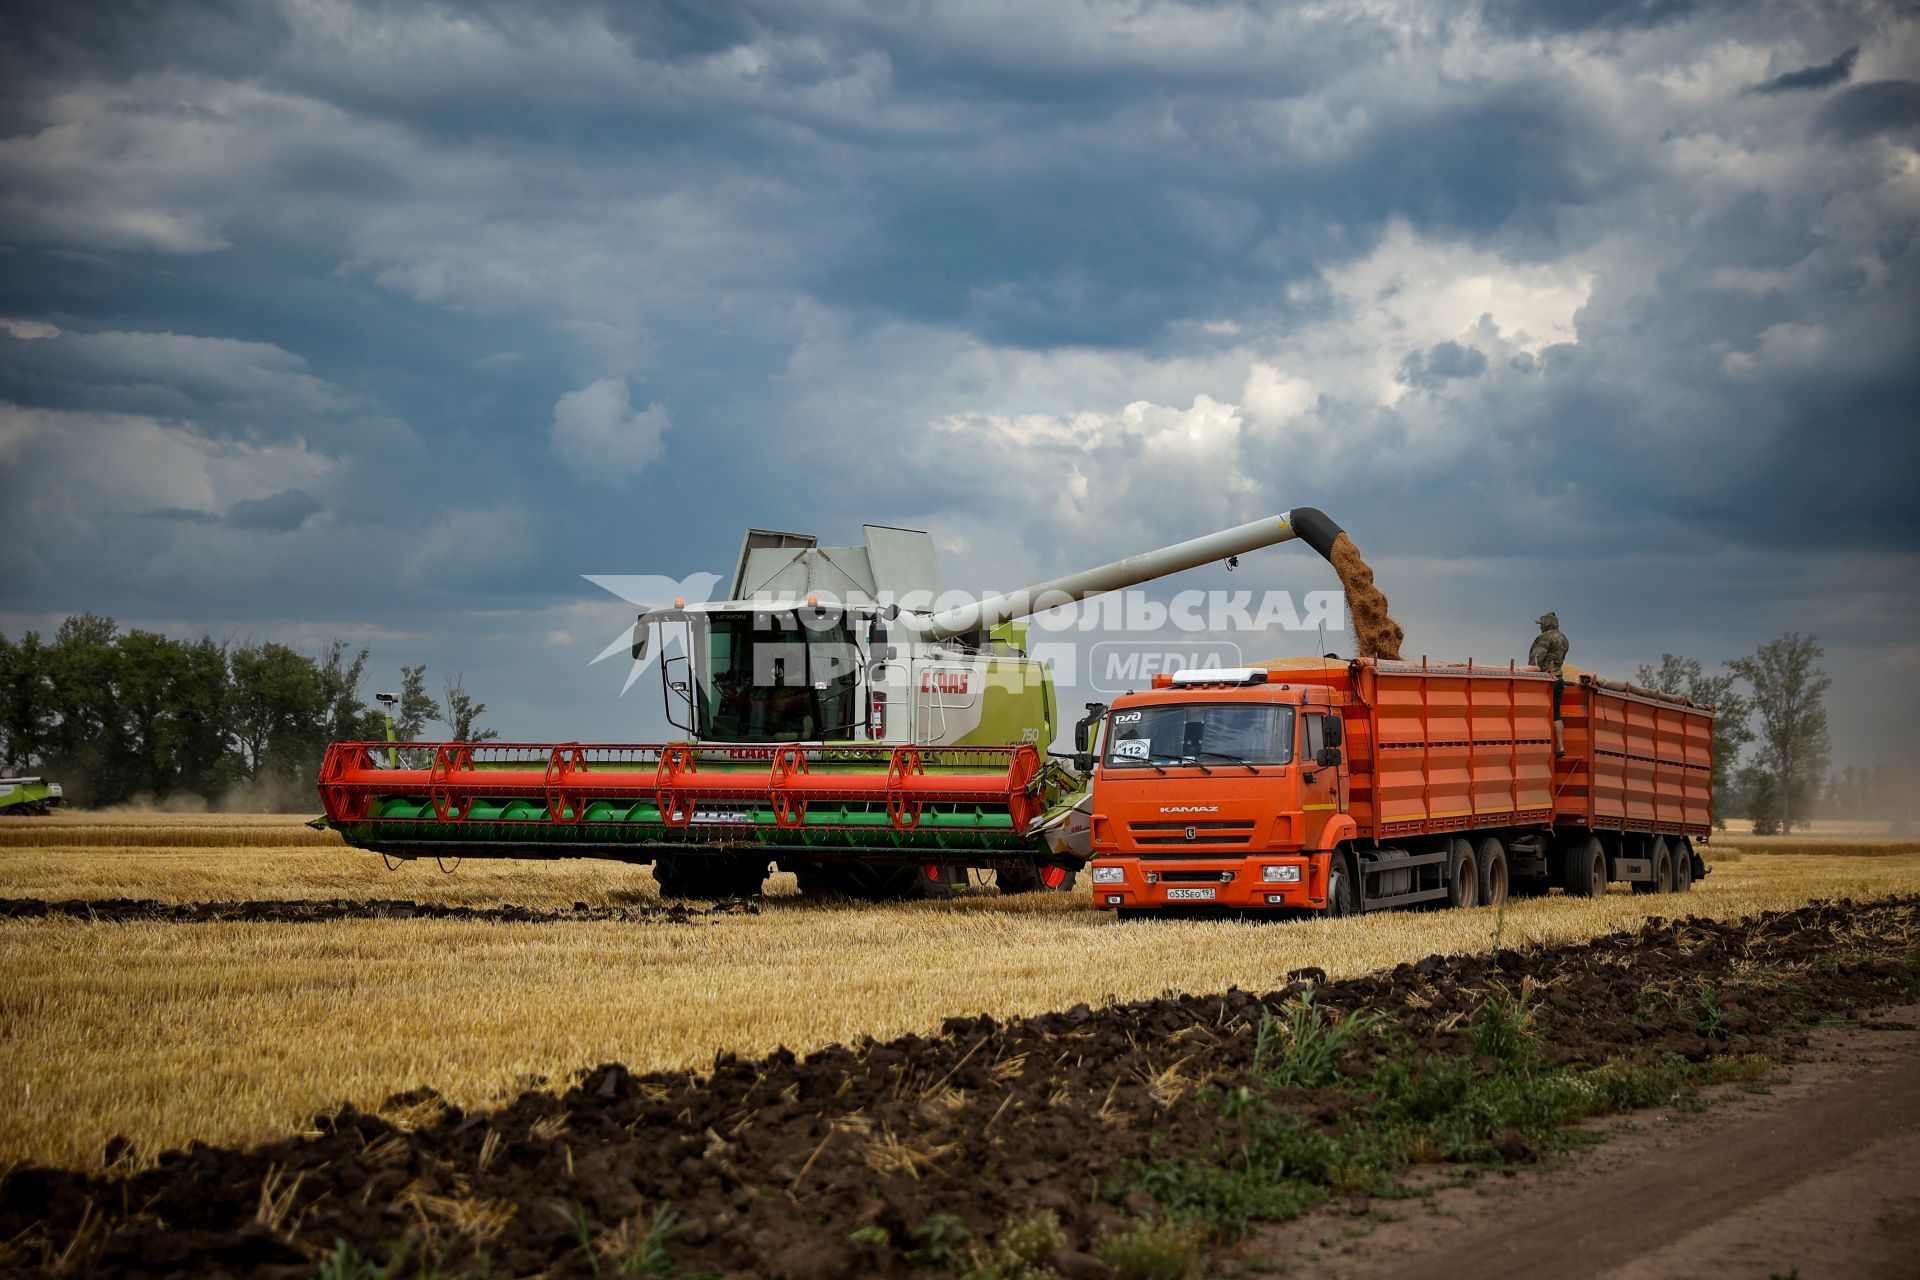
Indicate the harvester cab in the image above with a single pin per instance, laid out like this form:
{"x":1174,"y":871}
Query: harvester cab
{"x":816,"y":645}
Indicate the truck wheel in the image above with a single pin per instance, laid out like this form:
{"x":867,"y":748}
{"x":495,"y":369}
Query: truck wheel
{"x":1587,"y":869}
{"x":1463,"y":875}
{"x":1035,"y":879}
{"x":1662,"y":881}
{"x":1682,"y":865}
{"x":711,"y":879}
{"x":1492,"y":856}
{"x":1340,"y":896}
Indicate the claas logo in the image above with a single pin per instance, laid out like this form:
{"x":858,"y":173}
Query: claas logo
{"x":945,"y":681}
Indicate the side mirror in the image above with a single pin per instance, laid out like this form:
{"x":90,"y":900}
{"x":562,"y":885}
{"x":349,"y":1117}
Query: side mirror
{"x":1336,"y":731}
{"x":641,"y":634}
{"x":1083,"y":729}
{"x":877,"y":633}
{"x":1083,"y":761}
{"x":1328,"y":757}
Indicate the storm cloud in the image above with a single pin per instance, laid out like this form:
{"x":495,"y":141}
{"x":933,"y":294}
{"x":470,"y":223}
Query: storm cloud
{"x":392,"y":321}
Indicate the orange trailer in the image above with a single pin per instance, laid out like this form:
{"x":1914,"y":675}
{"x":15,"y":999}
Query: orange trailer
{"x":1363,"y":785}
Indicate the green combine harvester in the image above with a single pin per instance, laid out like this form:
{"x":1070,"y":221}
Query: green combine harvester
{"x":838,"y":721}
{"x":29,"y":796}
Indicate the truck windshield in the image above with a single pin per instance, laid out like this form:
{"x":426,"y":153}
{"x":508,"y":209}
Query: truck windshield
{"x":775,"y":677}
{"x":1199,"y":732}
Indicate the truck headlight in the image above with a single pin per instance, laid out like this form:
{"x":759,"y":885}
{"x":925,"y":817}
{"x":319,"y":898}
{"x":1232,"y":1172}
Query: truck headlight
{"x":1281,"y":875}
{"x":1109,"y":875}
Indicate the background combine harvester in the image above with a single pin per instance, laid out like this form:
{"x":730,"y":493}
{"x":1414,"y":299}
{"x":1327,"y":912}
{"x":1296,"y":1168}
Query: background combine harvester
{"x":33,"y":796}
{"x":1353,"y":786}
{"x":870,"y":749}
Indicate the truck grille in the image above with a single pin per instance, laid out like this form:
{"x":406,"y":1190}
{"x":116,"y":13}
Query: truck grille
{"x":1148,"y":834}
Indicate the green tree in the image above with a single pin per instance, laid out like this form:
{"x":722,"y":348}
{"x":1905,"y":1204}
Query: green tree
{"x":86,"y":745}
{"x":463,"y":713}
{"x":26,"y":701}
{"x":277,"y":711}
{"x":1731,"y":712}
{"x":1787,"y":691}
{"x":417,"y":707}
{"x":348,"y":718}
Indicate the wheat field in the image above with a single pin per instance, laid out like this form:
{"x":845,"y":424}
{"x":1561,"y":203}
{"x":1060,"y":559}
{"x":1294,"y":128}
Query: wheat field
{"x":238,"y":1032}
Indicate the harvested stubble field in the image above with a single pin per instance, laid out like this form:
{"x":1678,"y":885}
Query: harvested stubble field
{"x":236,"y":1032}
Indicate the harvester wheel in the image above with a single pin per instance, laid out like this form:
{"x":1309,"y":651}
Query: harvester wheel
{"x":1493,"y":872}
{"x":699,"y":876}
{"x":1035,"y":879}
{"x":1682,"y":865}
{"x":1463,"y":875}
{"x":1662,"y":881}
{"x":1587,"y":869}
{"x":899,"y":884}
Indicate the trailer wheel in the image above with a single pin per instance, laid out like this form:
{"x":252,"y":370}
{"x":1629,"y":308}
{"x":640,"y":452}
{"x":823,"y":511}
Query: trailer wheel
{"x":1587,"y":869}
{"x":1662,"y":881}
{"x":1492,"y":857}
{"x":1340,"y":898}
{"x":1463,"y":875}
{"x":1035,"y":879}
{"x":708,"y":878}
{"x":1683,"y":865}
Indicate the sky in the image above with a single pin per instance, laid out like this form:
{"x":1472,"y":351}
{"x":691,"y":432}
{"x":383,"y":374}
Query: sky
{"x":392,"y":321}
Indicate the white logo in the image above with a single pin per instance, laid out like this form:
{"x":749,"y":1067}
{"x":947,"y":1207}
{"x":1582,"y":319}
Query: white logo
{"x":1190,"y":808}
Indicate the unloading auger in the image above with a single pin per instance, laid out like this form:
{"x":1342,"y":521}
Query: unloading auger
{"x":838,"y":718}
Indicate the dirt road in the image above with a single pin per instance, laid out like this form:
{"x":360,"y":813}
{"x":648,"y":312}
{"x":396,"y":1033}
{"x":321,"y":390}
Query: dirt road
{"x":1818,"y":1177}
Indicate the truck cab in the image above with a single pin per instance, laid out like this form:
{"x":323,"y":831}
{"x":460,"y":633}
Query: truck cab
{"x":1222,"y":788}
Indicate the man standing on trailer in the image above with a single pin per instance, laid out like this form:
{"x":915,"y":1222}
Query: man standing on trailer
{"x":1549,"y":653}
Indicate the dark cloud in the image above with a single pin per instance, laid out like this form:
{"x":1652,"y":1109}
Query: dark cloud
{"x":275,"y":513}
{"x":1822,"y":76}
{"x":1441,"y":363}
{"x":1536,"y":16}
{"x":1865,"y":110}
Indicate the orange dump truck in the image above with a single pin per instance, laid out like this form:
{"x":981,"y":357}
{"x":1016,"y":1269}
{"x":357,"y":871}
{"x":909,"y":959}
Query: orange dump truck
{"x":1358,"y":786}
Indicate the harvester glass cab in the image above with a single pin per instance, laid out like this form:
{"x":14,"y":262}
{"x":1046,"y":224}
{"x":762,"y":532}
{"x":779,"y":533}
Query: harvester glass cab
{"x":766,"y":675}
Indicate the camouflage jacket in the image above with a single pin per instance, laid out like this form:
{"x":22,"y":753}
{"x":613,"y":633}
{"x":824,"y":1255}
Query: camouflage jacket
{"x":1549,"y":650}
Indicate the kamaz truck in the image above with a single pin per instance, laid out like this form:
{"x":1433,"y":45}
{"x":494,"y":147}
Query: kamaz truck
{"x":1333,"y":787}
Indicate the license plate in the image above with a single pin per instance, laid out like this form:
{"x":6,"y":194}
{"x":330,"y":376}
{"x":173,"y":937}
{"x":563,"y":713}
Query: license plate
{"x":1191,"y":895}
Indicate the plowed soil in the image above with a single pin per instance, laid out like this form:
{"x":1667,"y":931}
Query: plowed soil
{"x":313,"y":911}
{"x":773,"y":1164}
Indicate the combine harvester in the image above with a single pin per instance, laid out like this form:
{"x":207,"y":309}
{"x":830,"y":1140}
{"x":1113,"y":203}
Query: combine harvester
{"x":871,"y":750}
{"x":34,"y":796}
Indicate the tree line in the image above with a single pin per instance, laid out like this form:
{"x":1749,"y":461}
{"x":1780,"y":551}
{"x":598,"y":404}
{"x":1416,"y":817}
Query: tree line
{"x":1774,"y":700}
{"x":122,"y":716}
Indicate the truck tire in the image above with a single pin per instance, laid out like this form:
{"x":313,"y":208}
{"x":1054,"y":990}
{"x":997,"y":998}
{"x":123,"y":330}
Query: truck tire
{"x":1035,"y":879}
{"x":1683,"y":865}
{"x":1587,"y":869}
{"x":1463,"y":875}
{"x":1662,"y":858}
{"x":1341,"y":899}
{"x":695,"y":875}
{"x":1492,"y":857}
